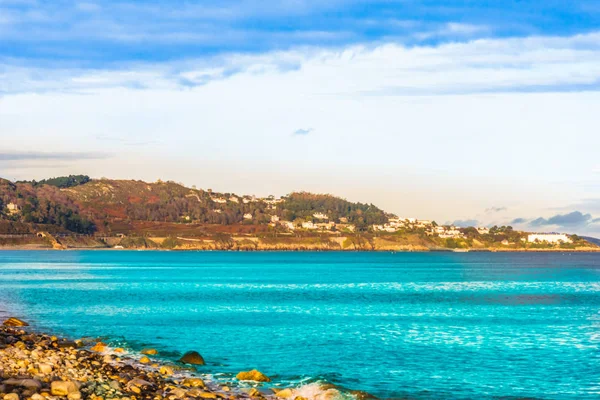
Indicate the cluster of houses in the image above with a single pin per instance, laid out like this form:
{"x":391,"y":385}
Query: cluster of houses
{"x":13,"y":208}
{"x":555,"y":238}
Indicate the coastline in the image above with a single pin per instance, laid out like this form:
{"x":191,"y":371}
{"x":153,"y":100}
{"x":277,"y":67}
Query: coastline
{"x":38,"y":366}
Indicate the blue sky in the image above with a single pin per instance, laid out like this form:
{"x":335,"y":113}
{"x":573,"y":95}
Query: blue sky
{"x":473,"y":111}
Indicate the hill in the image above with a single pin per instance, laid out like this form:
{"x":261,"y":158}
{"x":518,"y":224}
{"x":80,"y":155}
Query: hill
{"x":76,"y":211}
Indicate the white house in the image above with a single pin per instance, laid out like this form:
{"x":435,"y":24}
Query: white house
{"x":549,"y":238}
{"x":309,"y":225}
{"x":320,"y":215}
{"x":483,"y":230}
{"x":248,"y":216}
{"x":234,"y":199}
{"x":13,"y":208}
{"x":274,"y":218}
{"x":288,"y":224}
{"x":219,"y":200}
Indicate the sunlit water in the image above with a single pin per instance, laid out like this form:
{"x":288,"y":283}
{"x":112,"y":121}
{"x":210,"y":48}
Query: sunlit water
{"x":428,"y":326}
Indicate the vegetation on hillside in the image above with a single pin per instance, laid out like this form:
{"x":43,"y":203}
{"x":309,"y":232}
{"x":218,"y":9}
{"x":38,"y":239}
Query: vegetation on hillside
{"x":61,"y":181}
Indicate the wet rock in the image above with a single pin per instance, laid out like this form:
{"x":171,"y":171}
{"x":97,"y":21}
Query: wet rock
{"x":12,"y":321}
{"x":149,"y":352}
{"x":192,"y":357}
{"x":284,"y":394}
{"x":99,"y":347}
{"x":253,"y":375}
{"x":145,"y":360}
{"x":166,"y":370}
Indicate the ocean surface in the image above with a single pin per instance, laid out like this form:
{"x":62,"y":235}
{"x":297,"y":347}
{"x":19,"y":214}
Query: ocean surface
{"x":406,"y":325}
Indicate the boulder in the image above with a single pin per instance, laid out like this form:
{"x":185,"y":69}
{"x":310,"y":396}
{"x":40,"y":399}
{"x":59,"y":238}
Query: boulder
{"x":145,"y":360}
{"x":11,"y":396}
{"x":149,"y":352}
{"x":192,"y":357}
{"x":45,"y":368}
{"x":12,"y":321}
{"x":253,"y":375}
{"x":63,"y":388}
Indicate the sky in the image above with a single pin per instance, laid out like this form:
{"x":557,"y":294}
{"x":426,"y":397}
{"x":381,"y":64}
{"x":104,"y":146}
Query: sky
{"x":467,"y":112}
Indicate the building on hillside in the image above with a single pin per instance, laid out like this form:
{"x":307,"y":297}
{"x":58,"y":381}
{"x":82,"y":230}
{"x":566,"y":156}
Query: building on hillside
{"x":483,"y":230}
{"x":320,"y":215}
{"x":13,"y":208}
{"x":343,"y":220}
{"x":247,"y":216}
{"x":274,"y":218}
{"x":288,"y":224}
{"x":234,"y":199}
{"x":549,"y":238}
{"x":411,"y":220}
{"x":219,"y":200}
{"x":423,"y":223}
{"x":309,"y":225}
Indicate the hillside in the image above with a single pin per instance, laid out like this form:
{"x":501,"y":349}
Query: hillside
{"x":76,"y":211}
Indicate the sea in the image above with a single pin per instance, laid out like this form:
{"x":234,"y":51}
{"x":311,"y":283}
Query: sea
{"x":395,"y":325}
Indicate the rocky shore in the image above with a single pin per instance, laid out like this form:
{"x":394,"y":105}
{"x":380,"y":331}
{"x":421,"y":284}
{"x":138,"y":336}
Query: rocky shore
{"x":38,"y":367}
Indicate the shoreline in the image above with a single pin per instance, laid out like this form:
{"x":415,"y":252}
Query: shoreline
{"x":41,"y":366}
{"x":313,"y":250}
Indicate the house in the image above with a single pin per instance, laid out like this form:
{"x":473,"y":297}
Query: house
{"x":483,"y":230}
{"x":549,"y":238}
{"x":247,"y":216}
{"x":219,"y":200}
{"x":320,"y":215}
{"x":13,"y":208}
{"x":274,"y":218}
{"x":288,"y":224}
{"x":505,"y":242}
{"x":343,"y":220}
{"x":234,"y":199}
{"x":309,"y":225}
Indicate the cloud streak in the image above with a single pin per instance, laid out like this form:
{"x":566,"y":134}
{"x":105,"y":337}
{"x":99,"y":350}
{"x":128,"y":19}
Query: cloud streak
{"x":62,"y":156}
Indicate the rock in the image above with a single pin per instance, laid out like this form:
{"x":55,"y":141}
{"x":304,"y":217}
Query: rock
{"x":166,"y":370}
{"x":45,"y":368}
{"x":74,"y":396}
{"x":254,"y":392}
{"x":99,"y":347}
{"x":207,"y":395}
{"x":284,"y":394}
{"x":300,"y":398}
{"x":63,"y":388}
{"x":193,"y":382}
{"x":145,"y":360}
{"x":11,"y":396}
{"x":253,"y":375}
{"x":149,"y":352}
{"x":12,"y":321}
{"x":37,"y":397}
{"x":25,"y":383}
{"x":119,"y":350}
{"x":192,"y":357}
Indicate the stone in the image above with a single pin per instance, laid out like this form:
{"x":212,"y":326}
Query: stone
{"x":12,"y":321}
{"x":37,"y":397}
{"x":99,"y":347}
{"x":63,"y":388}
{"x":193,"y":382}
{"x":145,"y":360}
{"x":45,"y":368}
{"x":300,"y":398}
{"x":253,"y":375}
{"x":119,"y":350}
{"x":207,"y":395}
{"x":11,"y":396}
{"x":192,"y":357}
{"x":25,"y":383}
{"x":166,"y":370}
{"x":149,"y":352}
{"x":74,"y":396}
{"x":285,"y":393}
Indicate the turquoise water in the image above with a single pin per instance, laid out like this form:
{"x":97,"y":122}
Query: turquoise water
{"x":413,"y":325}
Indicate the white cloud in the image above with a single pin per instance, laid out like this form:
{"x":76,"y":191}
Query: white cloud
{"x":446,"y":124}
